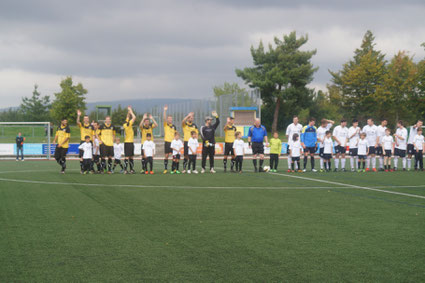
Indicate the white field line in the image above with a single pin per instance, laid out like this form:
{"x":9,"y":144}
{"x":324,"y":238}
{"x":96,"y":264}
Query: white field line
{"x":349,"y":185}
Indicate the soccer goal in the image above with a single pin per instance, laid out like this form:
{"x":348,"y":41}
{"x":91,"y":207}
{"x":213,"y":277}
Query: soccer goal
{"x":36,"y":143}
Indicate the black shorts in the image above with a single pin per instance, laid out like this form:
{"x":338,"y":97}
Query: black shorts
{"x":257,"y":148}
{"x":80,"y":151}
{"x":310,"y":150}
{"x":96,"y":158}
{"x":117,"y":161}
{"x":228,"y":149}
{"x":372,"y":150}
{"x":321,"y":150}
{"x":411,"y":149}
{"x":295,"y":159}
{"x":176,"y":156}
{"x":379,"y":151}
{"x":340,"y":149}
{"x":353,"y":151}
{"x":362,"y":157}
{"x":388,"y":152}
{"x":327,"y":156}
{"x":60,"y":152}
{"x":287,"y":149}
{"x":128,"y":149}
{"x":185,"y":148}
{"x":400,"y":152}
{"x":106,"y":151}
{"x":167,"y":148}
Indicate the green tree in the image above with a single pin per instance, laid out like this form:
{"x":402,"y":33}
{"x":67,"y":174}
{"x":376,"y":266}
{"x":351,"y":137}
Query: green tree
{"x":11,"y":115}
{"x":66,"y":103}
{"x":419,"y":98}
{"x":282,"y":74}
{"x":36,"y":108}
{"x":229,"y":88}
{"x":360,"y":77}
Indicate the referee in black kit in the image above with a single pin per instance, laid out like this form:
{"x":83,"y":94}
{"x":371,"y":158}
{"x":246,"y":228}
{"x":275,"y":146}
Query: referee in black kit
{"x":208,"y":141}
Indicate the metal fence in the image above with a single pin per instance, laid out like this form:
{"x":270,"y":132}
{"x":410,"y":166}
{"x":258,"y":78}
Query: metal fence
{"x":203,"y":107}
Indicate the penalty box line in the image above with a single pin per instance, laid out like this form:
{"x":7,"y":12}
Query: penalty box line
{"x":349,"y":185}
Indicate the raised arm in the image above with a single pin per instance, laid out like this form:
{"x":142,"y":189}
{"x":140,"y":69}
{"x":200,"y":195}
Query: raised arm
{"x":155,"y":124}
{"x":187,"y":117}
{"x":143,"y":119}
{"x":78,"y":117}
{"x":217,"y":120}
{"x":164,"y":117}
{"x":133,"y":117}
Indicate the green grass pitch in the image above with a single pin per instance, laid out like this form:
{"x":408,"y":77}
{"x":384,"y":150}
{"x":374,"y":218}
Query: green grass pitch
{"x":224,"y":227}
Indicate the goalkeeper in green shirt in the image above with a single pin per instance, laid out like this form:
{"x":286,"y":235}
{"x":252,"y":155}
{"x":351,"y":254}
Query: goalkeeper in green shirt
{"x":275,"y":151}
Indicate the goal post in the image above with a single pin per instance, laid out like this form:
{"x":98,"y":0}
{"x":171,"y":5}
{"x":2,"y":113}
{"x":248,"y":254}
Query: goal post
{"x":37,"y":136}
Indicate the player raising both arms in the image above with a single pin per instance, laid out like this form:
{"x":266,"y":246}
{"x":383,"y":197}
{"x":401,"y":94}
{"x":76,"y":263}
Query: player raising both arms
{"x":106,"y":138}
{"x":62,"y":136}
{"x":169,"y":131}
{"x":147,"y":125}
{"x":129,"y":141}
{"x":187,"y":126}
{"x":85,"y":130}
{"x":229,"y":138}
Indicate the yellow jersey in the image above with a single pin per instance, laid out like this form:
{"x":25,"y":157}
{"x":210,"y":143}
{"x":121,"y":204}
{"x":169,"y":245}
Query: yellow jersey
{"x":129,"y":132}
{"x":63,"y":133}
{"x":107,"y":134}
{"x":169,"y":131}
{"x":146,"y":130}
{"x":187,"y":129}
{"x":229,"y":134}
{"x":86,"y":130}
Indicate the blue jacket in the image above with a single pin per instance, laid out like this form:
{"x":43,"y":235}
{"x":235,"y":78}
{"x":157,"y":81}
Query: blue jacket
{"x":257,"y":134}
{"x":309,"y":136}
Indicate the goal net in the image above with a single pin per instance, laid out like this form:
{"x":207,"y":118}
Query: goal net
{"x":37,"y":139}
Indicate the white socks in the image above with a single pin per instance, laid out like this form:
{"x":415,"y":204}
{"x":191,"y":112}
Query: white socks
{"x":352,"y":162}
{"x":321,"y":163}
{"x":373,"y":162}
{"x":409,"y":163}
{"x":336,"y":163}
{"x":395,"y":161}
{"x":381,"y":162}
{"x":368,"y":162}
{"x":404,"y":162}
{"x":343,"y":163}
{"x":289,"y":162}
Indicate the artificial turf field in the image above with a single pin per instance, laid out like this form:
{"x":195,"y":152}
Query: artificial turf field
{"x":223,"y":227}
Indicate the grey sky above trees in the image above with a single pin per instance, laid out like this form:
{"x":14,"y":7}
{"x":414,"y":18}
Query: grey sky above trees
{"x":156,"y":49}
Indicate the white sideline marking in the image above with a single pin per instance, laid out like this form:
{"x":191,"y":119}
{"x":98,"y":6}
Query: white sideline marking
{"x":350,"y":186}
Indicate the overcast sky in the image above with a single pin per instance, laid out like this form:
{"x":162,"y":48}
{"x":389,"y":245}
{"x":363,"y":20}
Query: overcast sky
{"x":157,"y":49}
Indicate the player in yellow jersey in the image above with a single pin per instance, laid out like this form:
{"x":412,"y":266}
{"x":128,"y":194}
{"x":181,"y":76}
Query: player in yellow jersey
{"x":169,"y":131}
{"x":146,"y":126}
{"x":187,"y":126}
{"x":129,"y":141}
{"x":85,"y":130}
{"x":229,"y":138}
{"x":106,"y":139}
{"x":62,"y":136}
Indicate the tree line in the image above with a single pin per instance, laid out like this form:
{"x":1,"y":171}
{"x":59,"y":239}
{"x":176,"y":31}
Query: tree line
{"x":367,"y":85}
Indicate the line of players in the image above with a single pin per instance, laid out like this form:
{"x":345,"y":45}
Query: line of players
{"x":364,"y":145}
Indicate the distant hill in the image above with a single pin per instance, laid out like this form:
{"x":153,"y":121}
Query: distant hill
{"x":140,"y":105}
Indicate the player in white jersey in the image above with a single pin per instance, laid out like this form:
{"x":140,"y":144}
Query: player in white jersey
{"x":387,"y":143}
{"x":419,"y":144}
{"x":380,"y":133}
{"x":118,"y":152}
{"x":340,"y":135}
{"x":296,"y":150}
{"x":328,"y":145}
{"x":410,"y":142}
{"x":353,"y":138}
{"x":371,"y":131}
{"x":400,"y":145}
{"x":325,"y":126}
{"x":363,"y":147}
{"x":294,"y":128}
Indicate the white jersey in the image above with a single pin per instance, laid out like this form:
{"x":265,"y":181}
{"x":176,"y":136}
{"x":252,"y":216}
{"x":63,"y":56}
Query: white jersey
{"x":371,"y":134}
{"x":96,"y":147}
{"x":238,"y":146}
{"x":341,"y":133}
{"x":88,"y":150}
{"x":321,"y":133}
{"x":293,"y":129}
{"x":362,"y":146}
{"x":402,"y":143}
{"x":149,"y":148}
{"x":118,"y":150}
{"x":380,"y":133}
{"x":295,"y":148}
{"x":412,"y":133}
{"x":387,"y":142}
{"x":193,"y":144}
{"x":176,"y":145}
{"x":328,"y":146}
{"x":419,"y":142}
{"x":353,"y":136}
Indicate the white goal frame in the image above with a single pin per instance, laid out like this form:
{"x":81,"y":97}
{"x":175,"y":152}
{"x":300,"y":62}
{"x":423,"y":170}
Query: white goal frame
{"x":48,"y":124}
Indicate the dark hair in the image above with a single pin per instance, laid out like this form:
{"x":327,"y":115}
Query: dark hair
{"x":176,"y":133}
{"x":419,"y":130}
{"x":238,"y":133}
{"x":327,"y":133}
{"x":231,"y":118}
{"x":86,"y":137}
{"x":95,"y":122}
{"x":324,"y":121}
{"x":192,"y":132}
{"x":400,"y":122}
{"x":343,"y":120}
{"x":370,"y":119}
{"x":294,"y":137}
{"x":63,"y":119}
{"x":148,"y":135}
{"x":295,"y":116}
{"x":312,"y":119}
{"x":355,"y":121}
